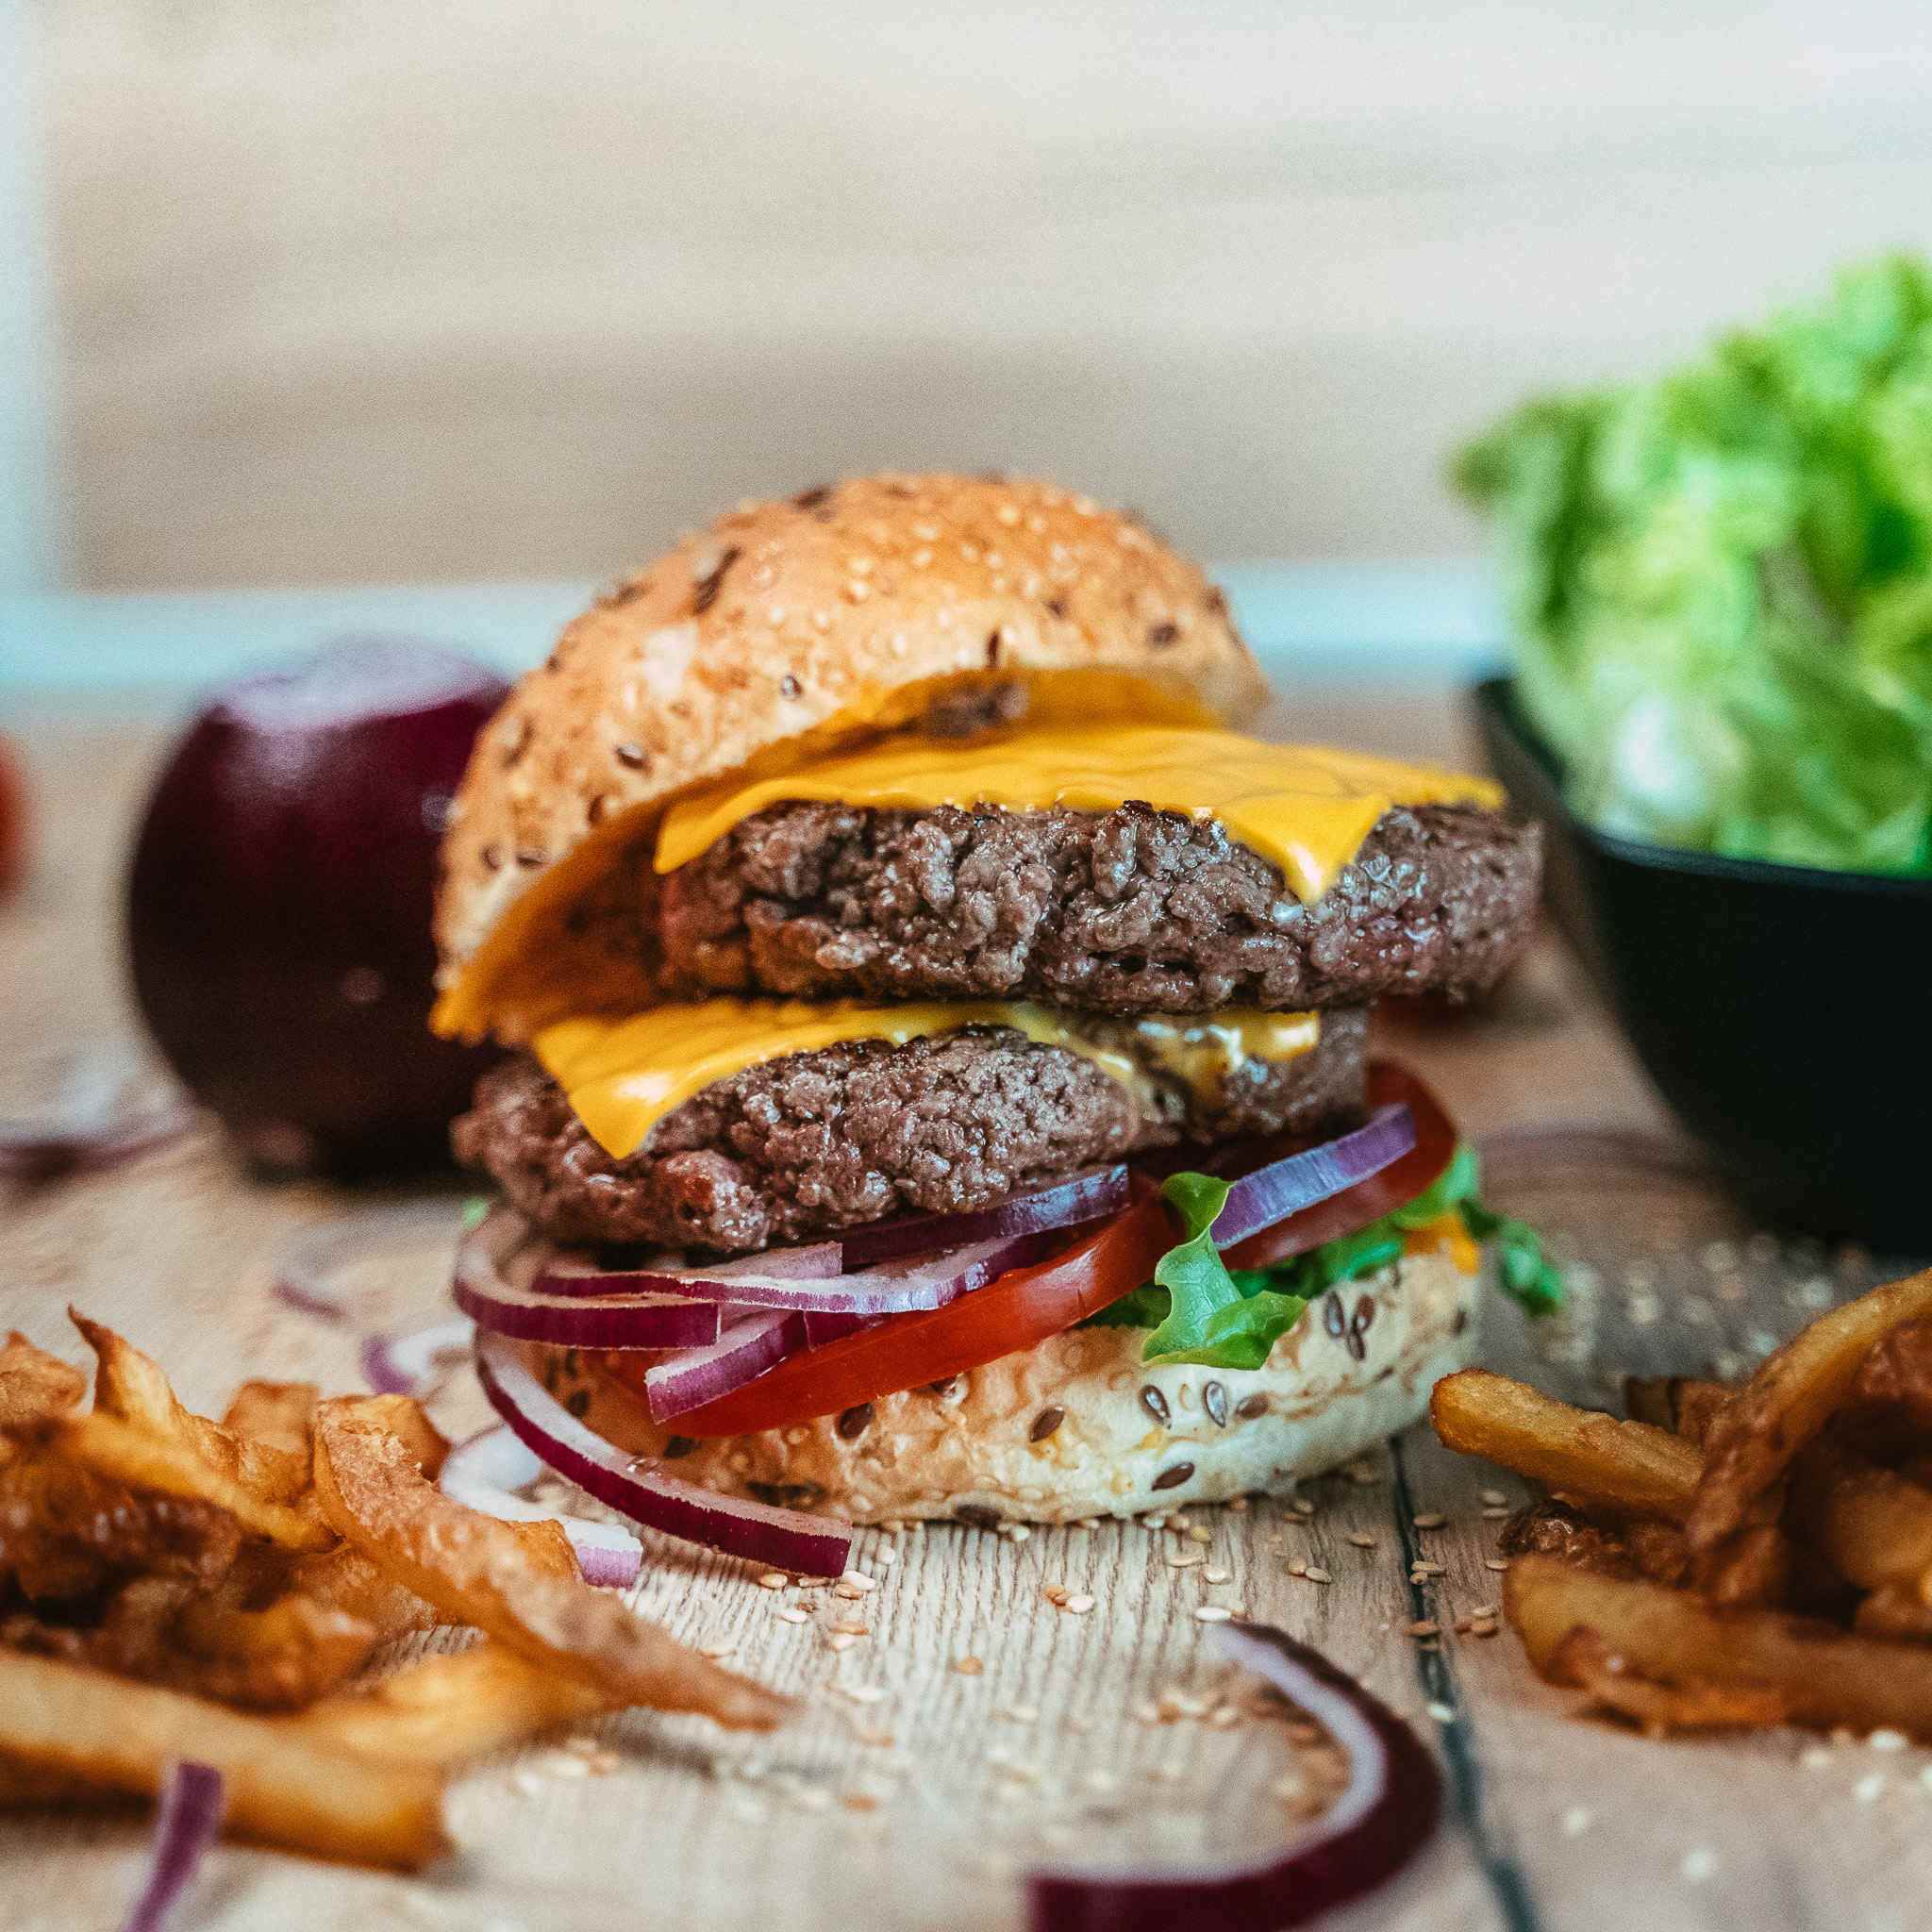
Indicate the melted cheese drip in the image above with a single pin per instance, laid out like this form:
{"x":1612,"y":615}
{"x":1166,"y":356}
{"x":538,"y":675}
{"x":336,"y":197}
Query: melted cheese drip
{"x":1306,"y":809}
{"x":622,"y":1076}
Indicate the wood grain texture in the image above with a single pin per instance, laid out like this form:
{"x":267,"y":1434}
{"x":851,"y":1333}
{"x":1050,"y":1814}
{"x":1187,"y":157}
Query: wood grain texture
{"x":910,"y":1794}
{"x":347,"y":291}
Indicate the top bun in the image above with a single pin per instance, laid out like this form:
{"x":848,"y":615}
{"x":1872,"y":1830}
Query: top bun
{"x":790,"y":618}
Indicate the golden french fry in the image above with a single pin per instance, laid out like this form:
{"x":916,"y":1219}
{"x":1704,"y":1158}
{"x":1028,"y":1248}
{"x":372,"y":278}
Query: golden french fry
{"x":142,"y":1461}
{"x":36,"y":1387}
{"x":1894,"y":1612}
{"x":1628,"y":1467}
{"x":346,"y":1579}
{"x":448,"y":1710}
{"x":400,"y":1416}
{"x":131,"y":1387}
{"x":1872,"y":1526}
{"x":1787,"y":1404}
{"x":1694,"y":1705}
{"x":276,"y":1658}
{"x":1820,"y":1675}
{"x":84,"y":1725}
{"x":278,"y":1414}
{"x":478,"y":1570}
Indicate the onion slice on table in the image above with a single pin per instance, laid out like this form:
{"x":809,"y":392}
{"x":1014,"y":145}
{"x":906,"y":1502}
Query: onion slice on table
{"x":895,"y":1288}
{"x":1063,"y":1203}
{"x":780,"y":1539}
{"x":105,"y":1112}
{"x":1385,"y":1813}
{"x":185,"y":1823}
{"x":409,"y":1364}
{"x":496,"y":1263}
{"x":756,"y":1339}
{"x":1267,"y":1195}
{"x":493,"y":1471}
{"x":305,"y":1267}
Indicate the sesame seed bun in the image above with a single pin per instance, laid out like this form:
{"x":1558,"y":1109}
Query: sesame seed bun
{"x":1079,"y":1427}
{"x":812,"y":618}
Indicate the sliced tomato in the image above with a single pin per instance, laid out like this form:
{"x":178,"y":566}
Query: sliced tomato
{"x":1397,"y":1184}
{"x":1025,"y":1307}
{"x":1013,"y":1312}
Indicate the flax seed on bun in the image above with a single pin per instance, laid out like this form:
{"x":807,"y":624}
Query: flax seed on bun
{"x":813,"y":616}
{"x":1079,"y":1427}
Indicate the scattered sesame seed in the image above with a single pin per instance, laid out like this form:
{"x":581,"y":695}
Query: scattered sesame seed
{"x":791,"y":1614}
{"x":565,"y":1764}
{"x":860,"y":1693}
{"x":1441,"y":1712}
{"x":860,"y":1801}
{"x":1421,"y":1568}
{"x":1495,"y":1563}
{"x":969,"y":1666}
{"x":1495,"y":1512}
{"x":1213,"y":1613}
{"x":1575,"y":1822}
{"x":1315,"y":1573}
{"x":850,"y":1591}
{"x":1057,"y":1594}
{"x":1303,"y":1505}
{"x":1483,"y":1612}
{"x":1425,"y":1626}
{"x":1078,"y":1605}
{"x":714,"y":1651}
{"x":773,"y":1579}
{"x":1185,"y":1559}
{"x":1433,"y":1520}
{"x":1699,"y":1863}
{"x":841,"y":1640}
{"x":1494,"y":1498}
{"x":886,"y":1557}
{"x":1297,"y":1569}
{"x":1021,"y":1713}
{"x":859,"y":1581}
{"x":1362,"y":1540}
{"x":527,"y":1782}
{"x":1868,"y":1787}
{"x":850,"y":1629}
{"x":1200,"y":1533}
{"x":1216,"y":1575}
{"x":1816,"y":1757}
{"x":1236,"y":1505}
{"x":1888,"y":1741}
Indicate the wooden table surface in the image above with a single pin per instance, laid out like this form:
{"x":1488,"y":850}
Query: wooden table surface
{"x":911,"y":1793}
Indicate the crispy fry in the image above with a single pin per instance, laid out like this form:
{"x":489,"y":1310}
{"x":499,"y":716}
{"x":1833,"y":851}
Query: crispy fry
{"x":478,"y":1570}
{"x":1894,"y":1612}
{"x":1892,"y":1391}
{"x":132,"y":1455}
{"x":131,"y":1387}
{"x":1658,"y":1550}
{"x":1824,"y":1675}
{"x":35,"y":1787}
{"x":1872,"y":1525}
{"x":1696,"y":1704}
{"x":282,"y":1788}
{"x":276,"y":1413}
{"x":1628,"y":1467}
{"x":403,"y":1417}
{"x":1553,"y":1529}
{"x":346,"y":1579}
{"x":1684,"y":1405}
{"x":448,"y":1710}
{"x":36,"y":1387}
{"x":1787,"y":1404}
{"x":1752,"y":1570}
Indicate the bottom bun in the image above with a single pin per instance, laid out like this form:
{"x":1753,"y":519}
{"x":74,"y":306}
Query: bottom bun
{"x":1079,"y":1427}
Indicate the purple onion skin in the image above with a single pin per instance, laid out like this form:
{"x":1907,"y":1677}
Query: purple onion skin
{"x":278,"y":906}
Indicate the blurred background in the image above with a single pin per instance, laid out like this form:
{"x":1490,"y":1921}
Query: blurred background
{"x":334,"y":293}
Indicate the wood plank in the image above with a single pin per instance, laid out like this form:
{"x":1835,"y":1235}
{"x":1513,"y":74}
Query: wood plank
{"x":919,"y":1806}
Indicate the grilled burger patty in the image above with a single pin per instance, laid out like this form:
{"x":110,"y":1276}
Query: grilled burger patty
{"x":802,"y":1146}
{"x":1127,"y":911}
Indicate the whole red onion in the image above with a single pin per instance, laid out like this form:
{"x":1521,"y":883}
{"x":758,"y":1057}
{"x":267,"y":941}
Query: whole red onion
{"x":278,"y":906}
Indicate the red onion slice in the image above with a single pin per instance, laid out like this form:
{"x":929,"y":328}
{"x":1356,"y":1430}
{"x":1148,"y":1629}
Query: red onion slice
{"x":107,"y":1109}
{"x":1062,"y":1203}
{"x":821,"y":1327}
{"x":411,"y":1364}
{"x":756,"y":1341}
{"x":306,"y":1265}
{"x":185,"y":1826}
{"x":779,"y":1538}
{"x":1387,"y":1812}
{"x":1267,"y":1195}
{"x":492,"y":1472}
{"x":573,"y":1271}
{"x":497,"y":1260}
{"x":895,"y":1288}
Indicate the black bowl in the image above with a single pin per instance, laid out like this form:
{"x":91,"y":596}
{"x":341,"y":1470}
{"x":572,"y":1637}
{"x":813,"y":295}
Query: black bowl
{"x":1785,"y":1013}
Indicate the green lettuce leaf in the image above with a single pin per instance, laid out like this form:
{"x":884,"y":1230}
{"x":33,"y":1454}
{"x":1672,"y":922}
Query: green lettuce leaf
{"x":1720,"y":584}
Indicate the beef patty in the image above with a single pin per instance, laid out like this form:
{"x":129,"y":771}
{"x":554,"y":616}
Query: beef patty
{"x":1127,"y":911}
{"x":802,"y":1146}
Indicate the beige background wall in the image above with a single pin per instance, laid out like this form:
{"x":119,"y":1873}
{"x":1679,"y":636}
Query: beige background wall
{"x":373,"y":288}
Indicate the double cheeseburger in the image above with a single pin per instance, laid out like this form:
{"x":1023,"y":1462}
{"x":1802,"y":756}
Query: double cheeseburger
{"x":942,"y":1085}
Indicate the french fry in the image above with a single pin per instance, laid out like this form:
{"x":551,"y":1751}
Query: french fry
{"x":1872,"y":1526}
{"x":276,"y":1413}
{"x":1628,"y":1467}
{"x":478,"y":1570}
{"x":284,"y":1789}
{"x":134,"y":1456}
{"x":276,"y":1658}
{"x":1894,"y":1612}
{"x":1822,"y":1675}
{"x":400,"y":1416}
{"x":131,"y":1387}
{"x":36,"y":1387}
{"x":1684,"y":1405}
{"x":448,"y":1710}
{"x":1696,"y":1705}
{"x":346,"y":1579}
{"x":1787,"y":1404}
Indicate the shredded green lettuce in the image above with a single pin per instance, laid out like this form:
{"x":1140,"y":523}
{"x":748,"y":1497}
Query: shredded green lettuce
{"x":1721,"y":585}
{"x":1201,"y":1310}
